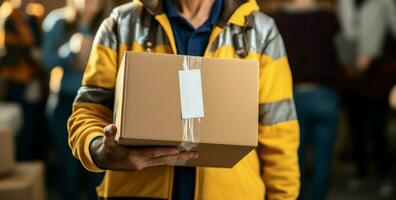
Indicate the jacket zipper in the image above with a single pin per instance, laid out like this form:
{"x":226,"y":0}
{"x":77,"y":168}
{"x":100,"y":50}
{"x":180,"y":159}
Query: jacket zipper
{"x":198,"y":183}
{"x":199,"y":171}
{"x":171,"y":173}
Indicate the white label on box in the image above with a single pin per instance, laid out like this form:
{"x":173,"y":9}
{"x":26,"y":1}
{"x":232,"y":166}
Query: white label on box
{"x":191,"y":94}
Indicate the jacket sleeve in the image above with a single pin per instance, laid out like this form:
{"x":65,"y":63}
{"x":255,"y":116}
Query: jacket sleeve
{"x":372,"y":28}
{"x":376,"y":19}
{"x":278,"y":126}
{"x":92,"y":108}
{"x":347,"y":13}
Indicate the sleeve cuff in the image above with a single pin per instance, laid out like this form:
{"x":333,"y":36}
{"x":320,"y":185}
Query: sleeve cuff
{"x":86,"y":158}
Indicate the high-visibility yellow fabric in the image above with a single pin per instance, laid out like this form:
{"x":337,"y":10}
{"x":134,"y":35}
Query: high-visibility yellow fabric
{"x":271,"y":171}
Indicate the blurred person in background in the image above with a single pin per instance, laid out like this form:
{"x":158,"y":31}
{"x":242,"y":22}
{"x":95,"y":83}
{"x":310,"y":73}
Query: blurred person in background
{"x":67,"y":39}
{"x":22,"y":74}
{"x":370,"y":26}
{"x":309,"y":31}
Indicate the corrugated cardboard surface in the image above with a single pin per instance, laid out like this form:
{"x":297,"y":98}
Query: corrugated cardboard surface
{"x":7,"y":152}
{"x":25,"y":182}
{"x":149,"y":111}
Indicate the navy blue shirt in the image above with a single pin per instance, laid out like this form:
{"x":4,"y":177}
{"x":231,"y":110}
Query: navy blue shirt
{"x":189,"y":41}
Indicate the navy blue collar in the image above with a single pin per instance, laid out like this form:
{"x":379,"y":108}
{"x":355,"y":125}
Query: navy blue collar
{"x":171,"y":11}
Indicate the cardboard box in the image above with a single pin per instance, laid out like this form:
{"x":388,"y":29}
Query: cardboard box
{"x":7,"y":158}
{"x":26,"y":182}
{"x":148,"y":106}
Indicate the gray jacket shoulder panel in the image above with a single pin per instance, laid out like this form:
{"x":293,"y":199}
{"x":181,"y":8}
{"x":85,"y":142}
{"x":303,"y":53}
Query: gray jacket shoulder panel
{"x":125,"y":25}
{"x":127,"y":10}
{"x":269,"y":39}
{"x":265,"y":25}
{"x":262,"y":38}
{"x":130,"y":23}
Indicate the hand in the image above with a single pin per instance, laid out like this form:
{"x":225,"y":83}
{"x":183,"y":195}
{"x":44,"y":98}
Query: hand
{"x":108,"y":155}
{"x":392,"y":98}
{"x":363,"y":63}
{"x":76,"y":42}
{"x":81,"y":43}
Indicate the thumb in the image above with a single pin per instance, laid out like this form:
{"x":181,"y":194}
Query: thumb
{"x":110,"y":132}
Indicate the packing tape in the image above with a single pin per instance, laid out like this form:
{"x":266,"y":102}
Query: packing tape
{"x":190,"y":126}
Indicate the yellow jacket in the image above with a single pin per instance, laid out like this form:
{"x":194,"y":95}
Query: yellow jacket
{"x":271,"y":171}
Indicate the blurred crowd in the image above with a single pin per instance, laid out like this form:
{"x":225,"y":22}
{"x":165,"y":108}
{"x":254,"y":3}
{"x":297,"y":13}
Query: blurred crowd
{"x":42,"y":60}
{"x":343,"y":59}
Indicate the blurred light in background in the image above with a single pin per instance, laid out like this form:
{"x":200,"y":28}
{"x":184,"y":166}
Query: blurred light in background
{"x":35,"y":9}
{"x":5,"y":11}
{"x":16,"y":3}
{"x":55,"y":79}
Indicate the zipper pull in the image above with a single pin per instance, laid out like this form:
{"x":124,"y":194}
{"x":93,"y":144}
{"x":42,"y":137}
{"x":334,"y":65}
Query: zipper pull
{"x":240,"y":44}
{"x":240,"y":39}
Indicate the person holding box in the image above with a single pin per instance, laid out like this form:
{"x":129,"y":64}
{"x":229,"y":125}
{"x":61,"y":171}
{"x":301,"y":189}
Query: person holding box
{"x":209,"y":28}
